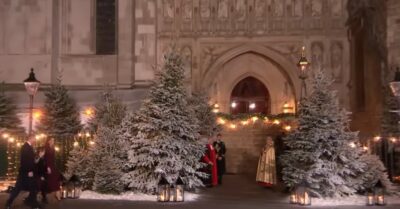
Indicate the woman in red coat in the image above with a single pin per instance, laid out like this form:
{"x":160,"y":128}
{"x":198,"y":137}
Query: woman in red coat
{"x":53,"y":176}
{"x":210,"y":158}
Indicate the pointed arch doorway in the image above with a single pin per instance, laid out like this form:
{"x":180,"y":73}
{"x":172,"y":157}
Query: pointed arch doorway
{"x":250,"y":95}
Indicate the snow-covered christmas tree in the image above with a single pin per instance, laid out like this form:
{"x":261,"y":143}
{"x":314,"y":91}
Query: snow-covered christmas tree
{"x":106,"y":162}
{"x":323,"y":152}
{"x":204,"y":114}
{"x":109,"y":111}
{"x":165,"y":140}
{"x":90,"y":163}
{"x":9,"y":120}
{"x":61,"y":118}
{"x":80,"y":164}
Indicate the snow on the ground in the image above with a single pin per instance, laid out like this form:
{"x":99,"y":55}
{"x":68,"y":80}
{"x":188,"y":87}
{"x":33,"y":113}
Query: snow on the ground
{"x":352,"y":200}
{"x":131,"y":196}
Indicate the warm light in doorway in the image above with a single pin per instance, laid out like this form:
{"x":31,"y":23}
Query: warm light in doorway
{"x":252,"y":105}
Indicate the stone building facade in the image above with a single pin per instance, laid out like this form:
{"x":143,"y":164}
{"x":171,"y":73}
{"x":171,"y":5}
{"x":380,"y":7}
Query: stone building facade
{"x":223,"y":41}
{"x":90,"y":43}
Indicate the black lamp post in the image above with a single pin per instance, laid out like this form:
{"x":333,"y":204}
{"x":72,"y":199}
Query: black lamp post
{"x":303,"y":65}
{"x":31,"y":86}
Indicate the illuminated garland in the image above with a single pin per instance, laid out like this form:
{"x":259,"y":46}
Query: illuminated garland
{"x":285,"y":121}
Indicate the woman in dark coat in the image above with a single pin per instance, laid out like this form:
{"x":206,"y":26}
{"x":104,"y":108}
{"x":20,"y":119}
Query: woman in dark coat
{"x":53,"y":176}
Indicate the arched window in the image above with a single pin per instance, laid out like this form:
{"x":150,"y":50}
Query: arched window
{"x":250,"y":96}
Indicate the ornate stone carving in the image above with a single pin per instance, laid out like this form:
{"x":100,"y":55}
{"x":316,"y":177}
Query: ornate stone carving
{"x":222,"y":9}
{"x":240,"y":10}
{"x":168,"y":8}
{"x":187,"y":9}
{"x":205,"y":9}
{"x":186,"y":52}
{"x":251,"y":17}
{"x":316,"y":8}
{"x":317,"y":55}
{"x":278,"y":8}
{"x":210,"y":52}
{"x":336,"y":53}
{"x":260,"y":9}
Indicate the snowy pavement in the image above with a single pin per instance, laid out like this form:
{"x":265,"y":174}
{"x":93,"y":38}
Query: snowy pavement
{"x":238,"y":192}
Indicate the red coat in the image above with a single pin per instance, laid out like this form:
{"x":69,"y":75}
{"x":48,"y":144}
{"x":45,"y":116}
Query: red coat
{"x":53,"y":179}
{"x":211,"y":156}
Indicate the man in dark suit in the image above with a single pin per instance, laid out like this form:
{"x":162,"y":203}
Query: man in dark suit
{"x":26,"y":178}
{"x":220,"y":148}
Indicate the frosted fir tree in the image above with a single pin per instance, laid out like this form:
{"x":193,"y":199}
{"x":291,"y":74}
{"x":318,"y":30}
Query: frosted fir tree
{"x":9,"y":120}
{"x":79,"y":164}
{"x":61,"y":116}
{"x":109,"y":111}
{"x":165,"y":140}
{"x":106,"y":162}
{"x":375,"y":171}
{"x":322,"y":151}
{"x":204,"y":114}
{"x":107,"y":147}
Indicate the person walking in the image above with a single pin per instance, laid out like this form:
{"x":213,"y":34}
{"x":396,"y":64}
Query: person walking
{"x":26,"y":176}
{"x":42,"y":173}
{"x":210,"y":159}
{"x":220,"y":149}
{"x":266,"y":171}
{"x":53,"y":176}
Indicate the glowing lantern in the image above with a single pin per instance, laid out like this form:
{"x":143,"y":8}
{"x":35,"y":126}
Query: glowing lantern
{"x":288,"y":128}
{"x":232,"y":126}
{"x":254,"y":119}
{"x":379,"y":193}
{"x":370,"y":198}
{"x":76,"y":144}
{"x":287,"y":108}
{"x":221,"y":121}
{"x":177,"y":191}
{"x":252,"y":105}
{"x":276,"y":122}
{"x":244,"y":122}
{"x":233,"y":104}
{"x":293,"y":197}
{"x":163,"y":193}
{"x":5,"y":135}
{"x":74,"y":187}
{"x":303,"y":195}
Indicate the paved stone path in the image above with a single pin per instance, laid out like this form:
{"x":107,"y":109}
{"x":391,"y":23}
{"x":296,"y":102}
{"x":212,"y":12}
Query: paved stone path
{"x":237,"y":192}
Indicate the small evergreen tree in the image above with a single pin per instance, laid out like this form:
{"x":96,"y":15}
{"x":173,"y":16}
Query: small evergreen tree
{"x":204,"y":114}
{"x":106,"y":162}
{"x":165,"y":140}
{"x":319,"y":151}
{"x":9,"y":120}
{"x":61,"y":118}
{"x":107,"y":147}
{"x":79,"y":164}
{"x":109,"y":111}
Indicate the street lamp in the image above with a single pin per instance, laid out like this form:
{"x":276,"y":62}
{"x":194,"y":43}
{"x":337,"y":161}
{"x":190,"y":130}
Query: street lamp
{"x":303,"y":64}
{"x":31,"y":86}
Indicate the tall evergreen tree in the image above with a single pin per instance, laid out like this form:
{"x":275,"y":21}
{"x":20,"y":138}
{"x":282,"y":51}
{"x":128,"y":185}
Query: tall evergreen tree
{"x":165,"y":140}
{"x":204,"y":114}
{"x":319,"y":151}
{"x":61,"y":118}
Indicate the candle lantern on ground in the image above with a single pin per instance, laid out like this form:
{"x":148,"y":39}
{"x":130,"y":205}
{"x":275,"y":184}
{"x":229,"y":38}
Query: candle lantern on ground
{"x":303,"y":194}
{"x":370,"y":198}
{"x":163,"y":193}
{"x":293,"y":197}
{"x":379,"y":192}
{"x":179,"y":190}
{"x":74,"y":187}
{"x":64,"y":190}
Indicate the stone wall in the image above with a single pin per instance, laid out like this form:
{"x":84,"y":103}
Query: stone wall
{"x":244,"y":147}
